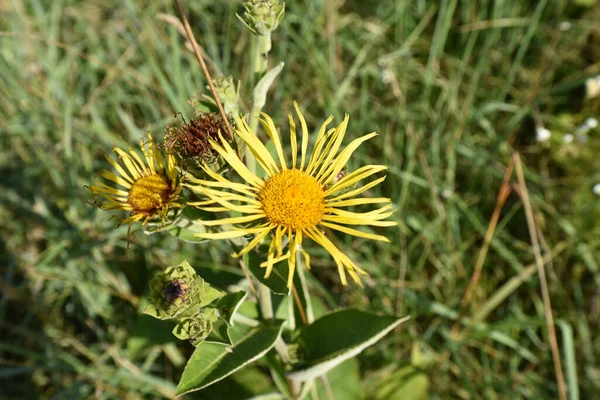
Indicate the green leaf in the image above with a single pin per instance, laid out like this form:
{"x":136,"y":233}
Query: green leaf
{"x":211,"y":362}
{"x":259,"y":95}
{"x":277,"y":281}
{"x":336,"y":337}
{"x":408,"y":382}
{"x":227,"y":306}
{"x":208,"y":294}
{"x":343,"y":380}
{"x":185,"y":230}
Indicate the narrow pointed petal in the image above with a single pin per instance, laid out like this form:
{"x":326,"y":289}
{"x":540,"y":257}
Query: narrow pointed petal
{"x":354,"y":177}
{"x":336,"y":166}
{"x":357,"y":191}
{"x":269,"y":126}
{"x":304,"y":135}
{"x":355,"y":232}
{"x":254,"y":242}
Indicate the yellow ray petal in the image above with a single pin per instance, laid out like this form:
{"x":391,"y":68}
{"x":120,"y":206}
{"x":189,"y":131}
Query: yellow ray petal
{"x":256,"y":147}
{"x":148,"y":155}
{"x":355,"y":232}
{"x":293,"y":141}
{"x":254,"y":242}
{"x":354,"y":177}
{"x":269,"y":126}
{"x":271,"y":262}
{"x":232,"y":220}
{"x":316,"y":156}
{"x":224,"y":183}
{"x":291,"y":260}
{"x":136,"y":157}
{"x":356,"y":202}
{"x":131,"y":167}
{"x":315,"y":235}
{"x":304,"y":135}
{"x":329,"y":172}
{"x":116,"y":179}
{"x":158,"y":159}
{"x":229,"y":234}
{"x":133,"y":219}
{"x":333,"y":146}
{"x":102,"y":187}
{"x":233,"y":207}
{"x":210,"y":209}
{"x":357,"y":191}
{"x":171,"y":167}
{"x":222,"y":195}
{"x":348,"y":263}
{"x":119,"y":169}
{"x":378,"y":214}
{"x":279,"y":240}
{"x":232,"y":159}
{"x":357,"y":221}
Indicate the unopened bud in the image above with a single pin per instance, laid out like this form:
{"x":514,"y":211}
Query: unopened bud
{"x":178,"y":290}
{"x":196,"y":328}
{"x":262,"y":16}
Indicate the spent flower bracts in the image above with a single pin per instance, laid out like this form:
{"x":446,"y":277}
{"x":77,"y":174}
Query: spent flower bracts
{"x":190,"y":143}
{"x":294,"y":200}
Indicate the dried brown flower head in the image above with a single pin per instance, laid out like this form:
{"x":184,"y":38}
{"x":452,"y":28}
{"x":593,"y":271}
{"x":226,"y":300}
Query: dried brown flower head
{"x":190,"y":142}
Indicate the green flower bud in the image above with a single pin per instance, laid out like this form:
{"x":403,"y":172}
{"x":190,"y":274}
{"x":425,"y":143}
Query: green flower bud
{"x":196,"y":328}
{"x":228,"y":94}
{"x":262,"y":16}
{"x":178,"y":290}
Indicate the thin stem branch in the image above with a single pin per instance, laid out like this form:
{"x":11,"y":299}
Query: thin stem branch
{"x":299,"y":305}
{"x":503,"y":194}
{"x":192,"y":39}
{"x":539,"y":261}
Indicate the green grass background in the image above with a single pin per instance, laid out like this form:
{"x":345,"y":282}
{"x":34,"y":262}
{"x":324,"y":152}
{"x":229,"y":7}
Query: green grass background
{"x":452,"y":87}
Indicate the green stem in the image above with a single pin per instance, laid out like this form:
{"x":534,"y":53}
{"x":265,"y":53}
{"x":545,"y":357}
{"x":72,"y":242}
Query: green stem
{"x":264,"y":298}
{"x":310,"y":315}
{"x":262,"y":53}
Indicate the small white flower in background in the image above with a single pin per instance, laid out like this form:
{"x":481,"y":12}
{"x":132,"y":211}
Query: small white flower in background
{"x":592,"y":87}
{"x":568,"y":138}
{"x":596,"y":189}
{"x":565,"y":26}
{"x":591,"y":123}
{"x":542,"y":134}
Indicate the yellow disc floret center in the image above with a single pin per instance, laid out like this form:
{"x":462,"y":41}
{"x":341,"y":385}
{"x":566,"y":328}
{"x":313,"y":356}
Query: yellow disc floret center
{"x":149,"y":194}
{"x":293,"y":199}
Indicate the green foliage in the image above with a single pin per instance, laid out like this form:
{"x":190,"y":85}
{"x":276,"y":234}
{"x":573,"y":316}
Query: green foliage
{"x":337,"y":337}
{"x":212,"y":362}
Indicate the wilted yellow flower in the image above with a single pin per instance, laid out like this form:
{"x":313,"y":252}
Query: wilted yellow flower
{"x":294,"y":200}
{"x":147,"y":187}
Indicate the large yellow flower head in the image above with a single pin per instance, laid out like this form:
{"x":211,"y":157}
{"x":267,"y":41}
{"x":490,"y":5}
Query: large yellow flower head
{"x":149,"y":186}
{"x":294,"y":200}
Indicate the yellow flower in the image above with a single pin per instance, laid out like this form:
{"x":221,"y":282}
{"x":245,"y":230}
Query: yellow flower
{"x":294,"y":200}
{"x":149,"y":185}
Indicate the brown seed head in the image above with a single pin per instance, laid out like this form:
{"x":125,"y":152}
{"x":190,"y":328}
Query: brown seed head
{"x":190,"y":142}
